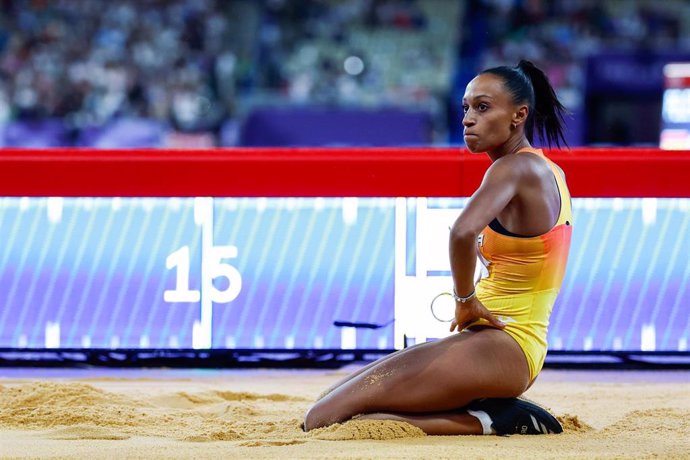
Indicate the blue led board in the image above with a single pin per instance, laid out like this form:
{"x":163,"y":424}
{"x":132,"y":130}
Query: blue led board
{"x":277,"y":272}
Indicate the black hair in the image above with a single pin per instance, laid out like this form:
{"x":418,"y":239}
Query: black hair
{"x":527,"y":83}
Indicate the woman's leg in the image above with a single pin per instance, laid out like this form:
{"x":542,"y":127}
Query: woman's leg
{"x":366,"y":368}
{"x":436,"y":379}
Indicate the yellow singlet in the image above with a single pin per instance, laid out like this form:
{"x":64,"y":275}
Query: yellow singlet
{"x":525,"y":275}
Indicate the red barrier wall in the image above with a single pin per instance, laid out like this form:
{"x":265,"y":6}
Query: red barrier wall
{"x":374,"y":172}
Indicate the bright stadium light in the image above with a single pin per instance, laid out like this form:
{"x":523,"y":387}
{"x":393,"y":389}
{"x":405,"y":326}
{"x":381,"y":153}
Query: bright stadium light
{"x":353,"y":65}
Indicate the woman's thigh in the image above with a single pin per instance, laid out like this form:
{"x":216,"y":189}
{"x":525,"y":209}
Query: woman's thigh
{"x":369,"y":366}
{"x":444,"y":375}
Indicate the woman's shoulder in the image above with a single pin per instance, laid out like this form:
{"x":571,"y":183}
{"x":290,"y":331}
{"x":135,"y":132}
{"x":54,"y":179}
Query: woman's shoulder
{"x":519,"y":164}
{"x":522,"y":168}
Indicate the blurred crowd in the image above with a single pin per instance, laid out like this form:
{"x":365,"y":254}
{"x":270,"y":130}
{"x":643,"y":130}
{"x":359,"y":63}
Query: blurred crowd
{"x":88,"y":61}
{"x":193,"y":64}
{"x":356,"y":51}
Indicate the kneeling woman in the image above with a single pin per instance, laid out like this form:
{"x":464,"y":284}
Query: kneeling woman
{"x":519,"y":222}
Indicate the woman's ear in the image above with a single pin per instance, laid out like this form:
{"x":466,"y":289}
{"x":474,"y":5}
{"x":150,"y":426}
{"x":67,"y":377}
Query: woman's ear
{"x":520,"y":116}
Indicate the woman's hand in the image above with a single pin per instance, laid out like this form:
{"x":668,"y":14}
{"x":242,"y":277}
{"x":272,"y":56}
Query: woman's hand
{"x":469,"y":312}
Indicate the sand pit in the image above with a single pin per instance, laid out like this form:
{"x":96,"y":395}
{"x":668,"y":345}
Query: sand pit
{"x":256,"y":414}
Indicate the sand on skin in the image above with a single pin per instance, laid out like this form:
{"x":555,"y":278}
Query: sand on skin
{"x":256,"y":414}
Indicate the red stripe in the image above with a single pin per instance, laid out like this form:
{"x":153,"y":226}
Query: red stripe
{"x":677,"y":82}
{"x":376,"y":172}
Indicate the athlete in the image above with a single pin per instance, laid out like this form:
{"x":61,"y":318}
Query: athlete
{"x":519,"y":223}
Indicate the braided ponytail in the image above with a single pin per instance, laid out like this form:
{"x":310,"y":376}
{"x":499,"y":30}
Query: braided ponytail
{"x":527,"y":83}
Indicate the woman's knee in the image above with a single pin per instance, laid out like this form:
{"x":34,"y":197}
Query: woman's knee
{"x":311,"y":418}
{"x":320,"y":414}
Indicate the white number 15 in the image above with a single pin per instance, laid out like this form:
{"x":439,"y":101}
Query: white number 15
{"x":214,"y":268}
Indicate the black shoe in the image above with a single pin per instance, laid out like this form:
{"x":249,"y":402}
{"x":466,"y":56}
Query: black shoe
{"x":517,"y":416}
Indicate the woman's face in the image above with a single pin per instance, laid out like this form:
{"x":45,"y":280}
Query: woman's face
{"x":489,"y":112}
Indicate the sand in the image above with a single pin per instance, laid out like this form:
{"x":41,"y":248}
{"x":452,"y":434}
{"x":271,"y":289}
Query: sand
{"x":256,"y":414}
